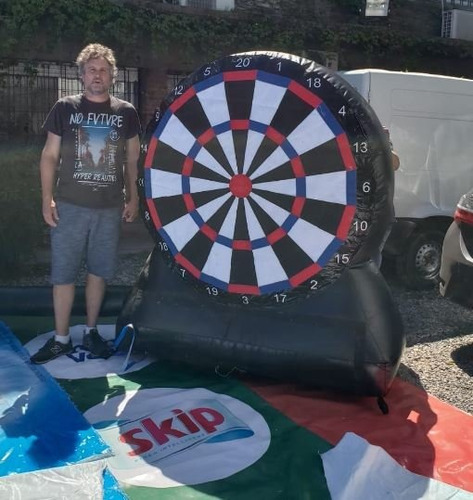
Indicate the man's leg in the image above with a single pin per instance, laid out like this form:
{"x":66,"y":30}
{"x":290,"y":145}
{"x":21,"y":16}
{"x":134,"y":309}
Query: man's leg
{"x":101,"y":261}
{"x":102,"y":251}
{"x":68,"y":240}
{"x":94,"y":294}
{"x":63,"y":299}
{"x":60,"y":343}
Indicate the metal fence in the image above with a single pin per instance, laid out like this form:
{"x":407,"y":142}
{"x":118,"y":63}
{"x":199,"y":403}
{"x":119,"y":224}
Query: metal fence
{"x":28,"y":91}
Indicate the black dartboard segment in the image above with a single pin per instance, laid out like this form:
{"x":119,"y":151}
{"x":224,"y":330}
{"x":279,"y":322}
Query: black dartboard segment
{"x":250,"y":177}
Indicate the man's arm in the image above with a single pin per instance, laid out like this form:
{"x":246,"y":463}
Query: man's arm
{"x":48,"y":166}
{"x":130,"y":211}
{"x":395,"y":160}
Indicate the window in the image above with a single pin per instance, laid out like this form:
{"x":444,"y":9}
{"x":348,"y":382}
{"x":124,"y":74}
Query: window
{"x":376,"y":8}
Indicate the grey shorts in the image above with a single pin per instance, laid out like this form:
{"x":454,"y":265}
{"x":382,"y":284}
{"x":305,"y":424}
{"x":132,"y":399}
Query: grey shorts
{"x":90,"y":233}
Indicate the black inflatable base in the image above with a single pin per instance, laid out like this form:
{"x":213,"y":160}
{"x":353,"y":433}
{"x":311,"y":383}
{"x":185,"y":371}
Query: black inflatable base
{"x":38,"y":300}
{"x":349,"y":336}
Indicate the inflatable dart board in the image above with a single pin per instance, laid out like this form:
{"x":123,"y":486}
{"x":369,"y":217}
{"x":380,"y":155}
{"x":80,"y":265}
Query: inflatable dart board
{"x":267,"y":185}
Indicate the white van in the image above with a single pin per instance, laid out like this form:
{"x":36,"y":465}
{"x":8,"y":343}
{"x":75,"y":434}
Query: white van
{"x":430,"y":120}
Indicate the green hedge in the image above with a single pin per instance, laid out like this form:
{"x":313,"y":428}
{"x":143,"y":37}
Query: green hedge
{"x":22,"y":230}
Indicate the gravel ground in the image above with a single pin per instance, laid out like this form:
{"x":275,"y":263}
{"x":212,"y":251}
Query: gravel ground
{"x":439,"y":352}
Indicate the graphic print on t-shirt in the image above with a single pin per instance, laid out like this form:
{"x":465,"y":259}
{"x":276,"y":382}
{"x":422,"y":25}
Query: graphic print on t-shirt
{"x":96,"y":146}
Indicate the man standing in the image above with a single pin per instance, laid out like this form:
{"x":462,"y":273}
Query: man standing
{"x":88,"y":179}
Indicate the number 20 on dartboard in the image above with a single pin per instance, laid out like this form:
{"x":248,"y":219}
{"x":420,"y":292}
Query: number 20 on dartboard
{"x":242,"y":62}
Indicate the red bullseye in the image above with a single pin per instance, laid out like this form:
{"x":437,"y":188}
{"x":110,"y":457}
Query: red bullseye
{"x":240,"y":185}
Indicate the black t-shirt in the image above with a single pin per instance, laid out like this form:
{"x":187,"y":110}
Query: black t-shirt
{"x":93,"y":144}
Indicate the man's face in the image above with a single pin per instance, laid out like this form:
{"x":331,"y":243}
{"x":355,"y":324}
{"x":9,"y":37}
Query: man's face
{"x":97,"y":77}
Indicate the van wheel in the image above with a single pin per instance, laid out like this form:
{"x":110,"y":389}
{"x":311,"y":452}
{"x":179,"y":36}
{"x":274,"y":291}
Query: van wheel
{"x":419,"y":266}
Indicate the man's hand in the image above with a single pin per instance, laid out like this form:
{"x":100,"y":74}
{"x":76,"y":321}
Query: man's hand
{"x":131,"y":209}
{"x":130,"y":212}
{"x":50,"y":214}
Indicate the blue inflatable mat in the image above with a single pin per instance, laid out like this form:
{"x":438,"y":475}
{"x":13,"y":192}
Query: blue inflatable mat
{"x":45,"y":442}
